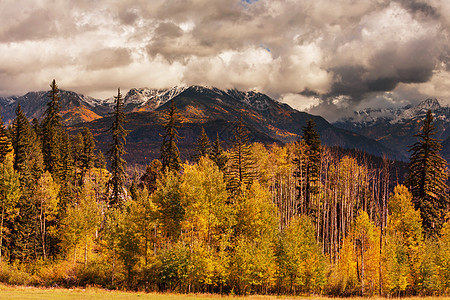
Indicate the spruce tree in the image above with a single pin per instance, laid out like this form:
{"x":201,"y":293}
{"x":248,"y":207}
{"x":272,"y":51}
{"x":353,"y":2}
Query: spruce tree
{"x":240,"y":171}
{"x":85,"y":152}
{"x":66,"y":174}
{"x":152,"y":174}
{"x":100,"y":161}
{"x":51,"y":131}
{"x":28,"y":161}
{"x":5,"y":143}
{"x":116,"y":151}
{"x":202,"y":147}
{"x":313,"y":152}
{"x":217,"y":154}
{"x":21,"y":139}
{"x":427,"y":178}
{"x":170,"y":155}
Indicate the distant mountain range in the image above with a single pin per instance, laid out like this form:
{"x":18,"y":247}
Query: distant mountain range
{"x":395,"y":128}
{"x":267,"y":120}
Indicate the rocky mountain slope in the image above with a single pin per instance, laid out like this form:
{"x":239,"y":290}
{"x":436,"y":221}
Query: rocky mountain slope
{"x":267,"y":120}
{"x":75,"y":108}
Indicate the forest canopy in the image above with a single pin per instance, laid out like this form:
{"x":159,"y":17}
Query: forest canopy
{"x":299,"y":218}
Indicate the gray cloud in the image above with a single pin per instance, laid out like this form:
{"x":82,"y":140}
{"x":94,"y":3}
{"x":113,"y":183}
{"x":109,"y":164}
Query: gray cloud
{"x":108,"y":58}
{"x":340,"y":55}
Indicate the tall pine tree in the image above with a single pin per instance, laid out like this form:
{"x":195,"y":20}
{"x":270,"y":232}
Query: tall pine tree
{"x":241,"y":163}
{"x":5,"y":143}
{"x":217,"y":154}
{"x":170,"y":155}
{"x":21,"y":134}
{"x":51,"y":132}
{"x":116,"y":151}
{"x":313,"y":152}
{"x":28,"y":161}
{"x":427,"y":178}
{"x":85,"y":152}
{"x":202,"y":147}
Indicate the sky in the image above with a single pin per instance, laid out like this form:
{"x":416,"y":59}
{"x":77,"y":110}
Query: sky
{"x":327,"y":57}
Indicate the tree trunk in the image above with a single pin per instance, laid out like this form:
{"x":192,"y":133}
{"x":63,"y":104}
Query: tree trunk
{"x":1,"y":231}
{"x":85,"y":252}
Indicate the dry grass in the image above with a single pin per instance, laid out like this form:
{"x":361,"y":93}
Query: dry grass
{"x":8,"y":292}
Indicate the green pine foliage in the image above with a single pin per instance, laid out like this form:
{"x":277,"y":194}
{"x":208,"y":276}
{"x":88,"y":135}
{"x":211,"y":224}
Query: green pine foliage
{"x":218,"y":154}
{"x":116,"y":152}
{"x":170,"y":155}
{"x":308,"y":162}
{"x":85,"y":157}
{"x":427,"y":178}
{"x":241,"y":163}
{"x":28,"y":162}
{"x":5,"y":143}
{"x":21,"y":134}
{"x":202,"y":147}
{"x":152,"y":174}
{"x":51,"y":131}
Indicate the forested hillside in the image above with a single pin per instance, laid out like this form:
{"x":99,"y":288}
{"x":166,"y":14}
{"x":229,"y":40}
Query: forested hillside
{"x":299,"y":218}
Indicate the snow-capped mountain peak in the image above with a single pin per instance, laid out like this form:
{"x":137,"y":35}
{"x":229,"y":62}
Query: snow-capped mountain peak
{"x":420,"y":110}
{"x":371,"y":117}
{"x":429,"y":103}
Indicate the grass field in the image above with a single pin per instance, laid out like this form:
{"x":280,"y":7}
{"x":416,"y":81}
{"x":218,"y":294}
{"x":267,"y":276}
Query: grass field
{"x":34,"y":293}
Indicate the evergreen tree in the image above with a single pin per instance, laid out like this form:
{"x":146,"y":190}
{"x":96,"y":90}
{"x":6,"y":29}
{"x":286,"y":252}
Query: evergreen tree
{"x":202,"y":147}
{"x":21,"y":139}
{"x":217,"y":154}
{"x":36,"y":127}
{"x":311,"y":138}
{"x":116,"y":151}
{"x":5,"y":144}
{"x":241,"y":163}
{"x":427,"y":178}
{"x":28,"y":161}
{"x":51,"y":131}
{"x":100,"y":161}
{"x":85,"y":152}
{"x":152,"y":174}
{"x":170,"y":155}
{"x":66,"y":174}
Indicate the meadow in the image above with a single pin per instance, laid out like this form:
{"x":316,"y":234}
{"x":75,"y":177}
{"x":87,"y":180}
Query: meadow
{"x":22,"y":292}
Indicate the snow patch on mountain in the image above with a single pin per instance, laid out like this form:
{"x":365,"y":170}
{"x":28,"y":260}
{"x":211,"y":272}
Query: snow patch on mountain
{"x":254,"y":99}
{"x":371,"y":117}
{"x":420,"y":111}
{"x":156,"y":97}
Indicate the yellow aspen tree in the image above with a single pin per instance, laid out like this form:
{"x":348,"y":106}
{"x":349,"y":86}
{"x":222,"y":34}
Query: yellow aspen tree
{"x":10,"y":194}
{"x":403,"y":250}
{"x":46,"y":197}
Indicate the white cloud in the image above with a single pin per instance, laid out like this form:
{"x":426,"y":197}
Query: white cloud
{"x":356,"y":52}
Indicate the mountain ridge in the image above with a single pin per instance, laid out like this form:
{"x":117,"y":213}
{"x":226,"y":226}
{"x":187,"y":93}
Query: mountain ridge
{"x":395,"y":128}
{"x":268,"y":120}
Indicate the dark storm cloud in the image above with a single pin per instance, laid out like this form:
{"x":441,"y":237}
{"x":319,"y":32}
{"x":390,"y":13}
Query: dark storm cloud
{"x":413,"y":62}
{"x":420,"y":8}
